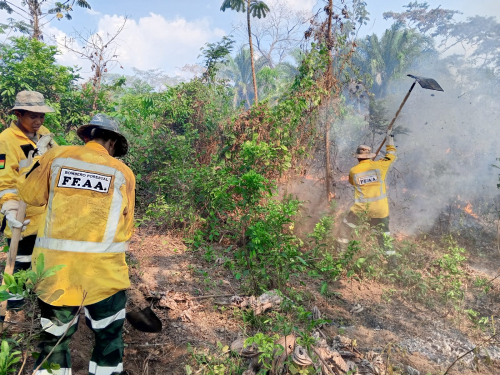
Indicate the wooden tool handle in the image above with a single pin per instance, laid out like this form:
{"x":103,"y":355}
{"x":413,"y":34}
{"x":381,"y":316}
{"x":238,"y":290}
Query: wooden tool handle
{"x":395,"y":117}
{"x":16,"y":237}
{"x":14,"y":245}
{"x":11,"y":258}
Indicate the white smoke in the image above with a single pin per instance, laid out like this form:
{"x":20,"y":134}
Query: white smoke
{"x":444,"y":165}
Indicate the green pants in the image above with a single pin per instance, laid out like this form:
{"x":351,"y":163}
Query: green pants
{"x":23,"y":262}
{"x":104,"y":318}
{"x":350,"y":223}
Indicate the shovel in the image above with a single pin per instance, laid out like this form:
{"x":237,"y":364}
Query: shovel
{"x":141,"y":317}
{"x":144,"y":320}
{"x":425,"y":83}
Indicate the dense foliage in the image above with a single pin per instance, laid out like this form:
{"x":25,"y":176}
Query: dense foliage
{"x":208,"y":160}
{"x":203,"y":169}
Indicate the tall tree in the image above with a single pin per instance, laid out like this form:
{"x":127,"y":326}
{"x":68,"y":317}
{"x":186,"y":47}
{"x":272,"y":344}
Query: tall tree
{"x":38,"y":13}
{"x":334,"y":29}
{"x":28,"y":64}
{"x":419,"y":17}
{"x":480,"y":37}
{"x":98,"y":50}
{"x":238,"y":71}
{"x":278,"y":34}
{"x":391,"y":55}
{"x":255,"y":8}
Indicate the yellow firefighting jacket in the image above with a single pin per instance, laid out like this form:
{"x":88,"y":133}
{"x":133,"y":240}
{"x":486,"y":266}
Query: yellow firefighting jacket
{"x":368,"y":179}
{"x":87,"y":225}
{"x":14,"y":149}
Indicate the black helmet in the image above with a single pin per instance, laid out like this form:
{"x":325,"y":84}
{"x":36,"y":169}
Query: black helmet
{"x":102,"y":121}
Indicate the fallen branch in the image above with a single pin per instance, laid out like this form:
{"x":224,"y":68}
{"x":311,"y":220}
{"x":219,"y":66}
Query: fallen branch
{"x":324,"y":363}
{"x":322,"y":334}
{"x":213,"y":296}
{"x":496,"y":277}
{"x":470,"y":351}
{"x":25,"y":354}
{"x":137,"y":345}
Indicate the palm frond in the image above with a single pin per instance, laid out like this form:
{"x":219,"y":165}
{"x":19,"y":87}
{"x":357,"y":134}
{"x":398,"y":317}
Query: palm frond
{"x":83,"y":4}
{"x":5,"y":6}
{"x":237,"y":5}
{"x":259,"y":9}
{"x":390,"y":56}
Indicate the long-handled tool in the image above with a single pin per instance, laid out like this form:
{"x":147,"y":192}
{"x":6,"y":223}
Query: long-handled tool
{"x":11,"y":257}
{"x":425,"y":83}
{"x":14,"y":245}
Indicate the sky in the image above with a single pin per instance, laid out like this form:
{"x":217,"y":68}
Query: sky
{"x":167,"y":34}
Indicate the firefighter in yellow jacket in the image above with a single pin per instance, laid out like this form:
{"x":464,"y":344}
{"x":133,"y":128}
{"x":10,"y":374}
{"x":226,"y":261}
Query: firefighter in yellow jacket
{"x":25,"y":135}
{"x":87,"y":227}
{"x":370,"y":195}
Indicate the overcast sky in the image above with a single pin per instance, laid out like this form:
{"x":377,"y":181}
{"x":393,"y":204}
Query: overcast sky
{"x":167,"y":34}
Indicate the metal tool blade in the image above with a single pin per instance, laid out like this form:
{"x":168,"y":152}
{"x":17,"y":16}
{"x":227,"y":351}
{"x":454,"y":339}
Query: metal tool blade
{"x":427,"y":83}
{"x":144,"y":320}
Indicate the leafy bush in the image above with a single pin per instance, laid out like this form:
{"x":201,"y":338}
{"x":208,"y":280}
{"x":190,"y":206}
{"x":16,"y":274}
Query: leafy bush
{"x":25,"y":281}
{"x":8,"y":358}
{"x":29,"y":64}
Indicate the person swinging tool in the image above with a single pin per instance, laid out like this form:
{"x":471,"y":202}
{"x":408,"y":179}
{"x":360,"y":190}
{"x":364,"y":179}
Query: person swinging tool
{"x":24,"y":136}
{"x":90,"y":198}
{"x":368,"y":179}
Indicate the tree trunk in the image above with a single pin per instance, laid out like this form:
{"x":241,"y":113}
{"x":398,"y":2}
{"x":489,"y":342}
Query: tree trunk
{"x":96,"y":86}
{"x":247,"y":98}
{"x":329,"y":85}
{"x":329,"y":43}
{"x":251,"y":54}
{"x":34,"y":7}
{"x":328,"y":171}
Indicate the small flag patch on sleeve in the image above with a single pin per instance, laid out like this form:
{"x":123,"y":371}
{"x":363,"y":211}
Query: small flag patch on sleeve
{"x":2,"y":161}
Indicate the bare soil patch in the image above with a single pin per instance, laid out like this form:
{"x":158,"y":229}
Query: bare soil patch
{"x":425,"y":339}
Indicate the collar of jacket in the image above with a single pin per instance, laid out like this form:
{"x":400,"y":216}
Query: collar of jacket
{"x":93,"y":145}
{"x":19,"y":132}
{"x":365,"y":161}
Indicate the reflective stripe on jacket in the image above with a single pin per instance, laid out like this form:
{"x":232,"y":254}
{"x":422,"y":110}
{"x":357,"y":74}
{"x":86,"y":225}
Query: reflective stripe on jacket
{"x":368,"y":179}
{"x":88,"y":222}
{"x":14,"y":149}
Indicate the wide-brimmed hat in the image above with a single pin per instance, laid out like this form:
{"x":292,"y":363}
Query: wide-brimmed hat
{"x":31,"y":101}
{"x":364,"y":152}
{"x":102,"y":121}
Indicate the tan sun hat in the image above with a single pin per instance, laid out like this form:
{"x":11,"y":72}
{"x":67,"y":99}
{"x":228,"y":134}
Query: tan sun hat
{"x":364,"y":152}
{"x":31,"y":101}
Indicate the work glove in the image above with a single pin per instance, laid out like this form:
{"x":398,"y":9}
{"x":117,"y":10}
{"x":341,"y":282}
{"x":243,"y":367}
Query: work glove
{"x":390,"y":138}
{"x":44,"y":144}
{"x":9,"y":209}
{"x":12,"y":222}
{"x":11,"y":205}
